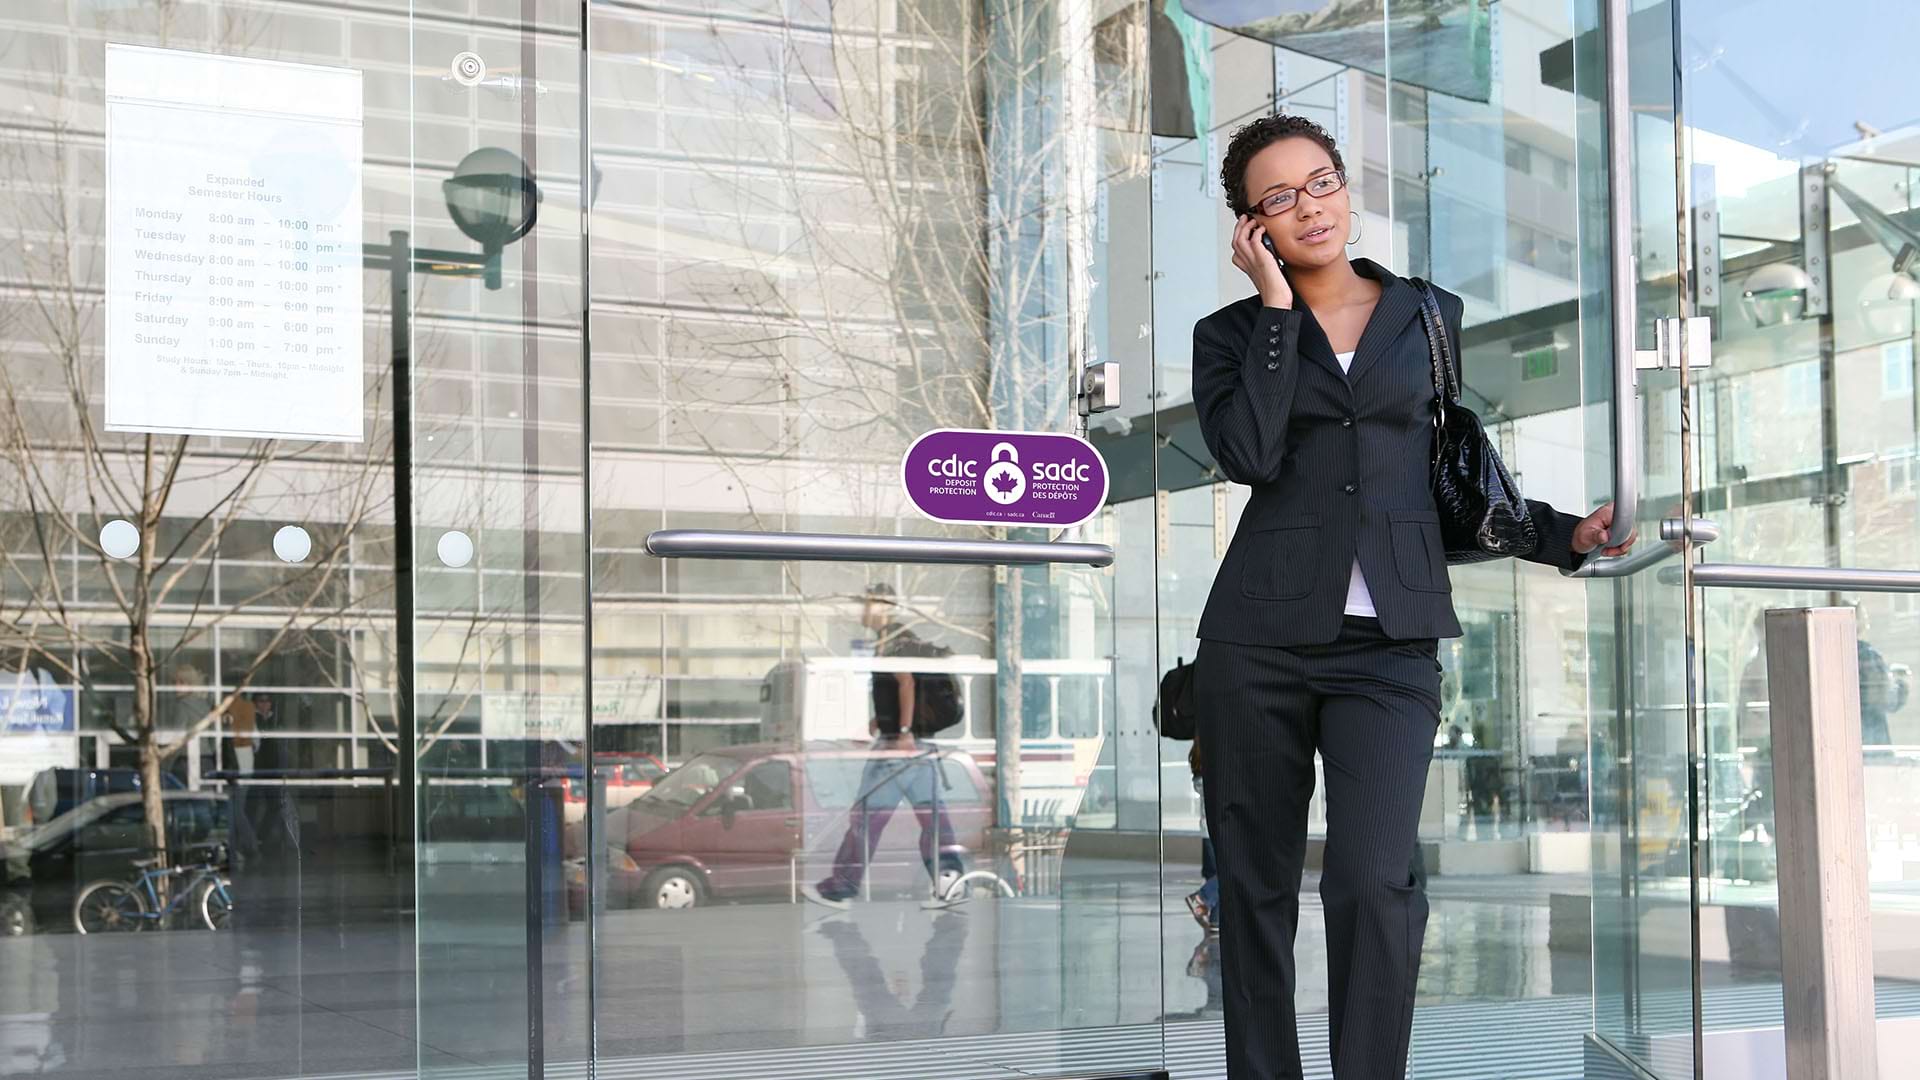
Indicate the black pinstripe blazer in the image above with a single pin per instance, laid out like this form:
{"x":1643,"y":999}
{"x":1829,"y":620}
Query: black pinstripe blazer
{"x":1339,"y":466}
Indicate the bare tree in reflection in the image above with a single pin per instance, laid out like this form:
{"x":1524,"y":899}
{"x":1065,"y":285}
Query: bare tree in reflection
{"x":131,"y":632}
{"x":899,"y":251}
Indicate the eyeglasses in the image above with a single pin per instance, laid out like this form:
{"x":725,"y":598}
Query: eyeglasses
{"x":1319,"y":187}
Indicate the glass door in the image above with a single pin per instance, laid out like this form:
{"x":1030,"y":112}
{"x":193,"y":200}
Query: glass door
{"x":1644,"y":790}
{"x":816,"y":234}
{"x":1770,"y":196}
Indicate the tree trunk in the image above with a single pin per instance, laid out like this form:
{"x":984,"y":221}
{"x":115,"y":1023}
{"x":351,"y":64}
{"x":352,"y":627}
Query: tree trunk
{"x":146,"y":727}
{"x":150,"y":800}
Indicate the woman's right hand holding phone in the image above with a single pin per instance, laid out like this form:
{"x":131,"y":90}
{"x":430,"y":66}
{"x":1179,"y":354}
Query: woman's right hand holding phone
{"x":1259,"y":264}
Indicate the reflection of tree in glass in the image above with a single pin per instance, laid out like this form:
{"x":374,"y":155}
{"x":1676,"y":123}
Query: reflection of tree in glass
{"x":883,"y":254}
{"x":70,"y":609}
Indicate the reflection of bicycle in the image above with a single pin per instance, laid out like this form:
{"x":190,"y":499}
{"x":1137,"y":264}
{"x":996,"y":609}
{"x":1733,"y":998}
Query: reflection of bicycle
{"x":106,"y":907}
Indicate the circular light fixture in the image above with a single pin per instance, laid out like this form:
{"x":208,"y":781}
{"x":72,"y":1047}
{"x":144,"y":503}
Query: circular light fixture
{"x":1886,"y":304}
{"x":1776,"y":294}
{"x":119,"y":539}
{"x":455,"y":548}
{"x":491,"y":197}
{"x":292,"y":544}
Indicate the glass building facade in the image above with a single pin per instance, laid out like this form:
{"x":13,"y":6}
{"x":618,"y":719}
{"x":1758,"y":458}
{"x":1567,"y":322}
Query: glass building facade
{"x":358,"y":360}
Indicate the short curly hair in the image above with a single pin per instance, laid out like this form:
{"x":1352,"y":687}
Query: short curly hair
{"x":1255,"y":136}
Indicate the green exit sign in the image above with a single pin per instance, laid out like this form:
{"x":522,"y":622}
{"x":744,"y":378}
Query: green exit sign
{"x":1540,"y":363}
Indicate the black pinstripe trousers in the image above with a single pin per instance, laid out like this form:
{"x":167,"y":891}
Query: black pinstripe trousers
{"x":1369,"y":705}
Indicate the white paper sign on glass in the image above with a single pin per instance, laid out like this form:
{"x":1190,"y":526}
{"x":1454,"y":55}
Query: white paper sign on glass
{"x":233,"y":246}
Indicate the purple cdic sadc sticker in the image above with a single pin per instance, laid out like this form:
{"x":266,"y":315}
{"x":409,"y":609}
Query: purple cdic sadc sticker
{"x":971,"y":477}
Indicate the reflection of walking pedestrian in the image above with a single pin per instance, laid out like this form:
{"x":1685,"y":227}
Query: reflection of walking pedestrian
{"x":270,"y":895}
{"x":539,"y":796}
{"x":241,"y":726}
{"x":894,"y":773}
{"x":1883,"y":690}
{"x":885,"y":1014}
{"x":891,"y":776}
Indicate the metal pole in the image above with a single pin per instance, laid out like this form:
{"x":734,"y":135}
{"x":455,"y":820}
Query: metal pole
{"x":400,"y":293}
{"x":1826,"y":946}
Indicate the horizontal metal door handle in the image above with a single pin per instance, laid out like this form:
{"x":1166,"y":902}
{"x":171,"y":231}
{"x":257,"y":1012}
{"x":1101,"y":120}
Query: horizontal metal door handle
{"x":1832,"y":578}
{"x":834,"y":547}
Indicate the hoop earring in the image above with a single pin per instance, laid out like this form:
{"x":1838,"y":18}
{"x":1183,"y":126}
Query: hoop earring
{"x":1359,"y":226}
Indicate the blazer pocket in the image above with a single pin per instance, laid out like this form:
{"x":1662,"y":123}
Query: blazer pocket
{"x":1279,"y":562}
{"x":1417,"y":553}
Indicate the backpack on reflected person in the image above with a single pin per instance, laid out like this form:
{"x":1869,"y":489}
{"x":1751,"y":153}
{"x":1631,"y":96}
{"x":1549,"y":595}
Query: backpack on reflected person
{"x":937,"y":703}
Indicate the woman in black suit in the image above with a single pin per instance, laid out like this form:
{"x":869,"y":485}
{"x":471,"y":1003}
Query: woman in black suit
{"x":1322,"y":627}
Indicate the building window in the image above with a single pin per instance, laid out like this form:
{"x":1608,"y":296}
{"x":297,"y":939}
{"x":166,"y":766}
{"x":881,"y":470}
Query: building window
{"x":1896,"y":369}
{"x":1376,"y":95}
{"x":1803,"y":386}
{"x":1562,"y":173}
{"x":1519,"y":157}
{"x":1522,"y":244}
{"x":1896,"y":469}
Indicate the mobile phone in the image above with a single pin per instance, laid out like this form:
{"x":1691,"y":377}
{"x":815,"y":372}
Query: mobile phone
{"x":1268,"y":241}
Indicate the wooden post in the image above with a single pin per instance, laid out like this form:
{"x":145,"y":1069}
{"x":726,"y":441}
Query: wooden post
{"x":1826,"y":947}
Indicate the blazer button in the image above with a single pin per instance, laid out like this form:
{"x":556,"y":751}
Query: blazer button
{"x":1351,"y":488}
{"x":1346,"y":421}
{"x":1273,"y":365}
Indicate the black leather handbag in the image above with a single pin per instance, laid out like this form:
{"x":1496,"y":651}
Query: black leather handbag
{"x":1482,"y":514}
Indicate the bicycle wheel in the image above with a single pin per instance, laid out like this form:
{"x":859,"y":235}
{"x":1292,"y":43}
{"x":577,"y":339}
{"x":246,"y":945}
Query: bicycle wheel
{"x":216,"y":904}
{"x":107,"y":907}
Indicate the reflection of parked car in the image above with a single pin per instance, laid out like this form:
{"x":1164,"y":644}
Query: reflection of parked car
{"x":624,"y":777}
{"x":56,"y":791}
{"x":101,"y":838}
{"x":731,"y":824}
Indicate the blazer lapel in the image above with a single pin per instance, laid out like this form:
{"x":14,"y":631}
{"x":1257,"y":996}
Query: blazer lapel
{"x":1399,"y":303}
{"x":1313,"y":343}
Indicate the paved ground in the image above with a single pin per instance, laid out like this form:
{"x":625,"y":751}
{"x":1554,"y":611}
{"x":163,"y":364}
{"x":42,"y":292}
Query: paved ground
{"x":1001,"y":988}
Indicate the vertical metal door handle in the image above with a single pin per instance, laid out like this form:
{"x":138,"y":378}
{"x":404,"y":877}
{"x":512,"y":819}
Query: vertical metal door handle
{"x":1626,"y":427}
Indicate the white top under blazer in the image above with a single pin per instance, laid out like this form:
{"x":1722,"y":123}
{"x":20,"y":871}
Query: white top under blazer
{"x":1359,"y":601}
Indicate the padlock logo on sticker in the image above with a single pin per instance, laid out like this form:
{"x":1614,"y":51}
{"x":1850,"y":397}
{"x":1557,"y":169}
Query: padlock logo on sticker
{"x":1005,"y":483}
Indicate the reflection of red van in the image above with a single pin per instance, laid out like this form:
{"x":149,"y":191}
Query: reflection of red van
{"x":754,"y":820}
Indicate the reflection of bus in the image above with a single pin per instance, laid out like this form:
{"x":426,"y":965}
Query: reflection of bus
{"x":1065,"y":704}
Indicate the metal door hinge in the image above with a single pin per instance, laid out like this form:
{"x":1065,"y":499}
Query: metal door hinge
{"x":1099,"y":388}
{"x":1668,"y":341}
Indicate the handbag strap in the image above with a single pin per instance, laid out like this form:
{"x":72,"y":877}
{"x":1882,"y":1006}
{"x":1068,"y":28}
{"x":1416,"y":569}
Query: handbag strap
{"x":1446,"y":374}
